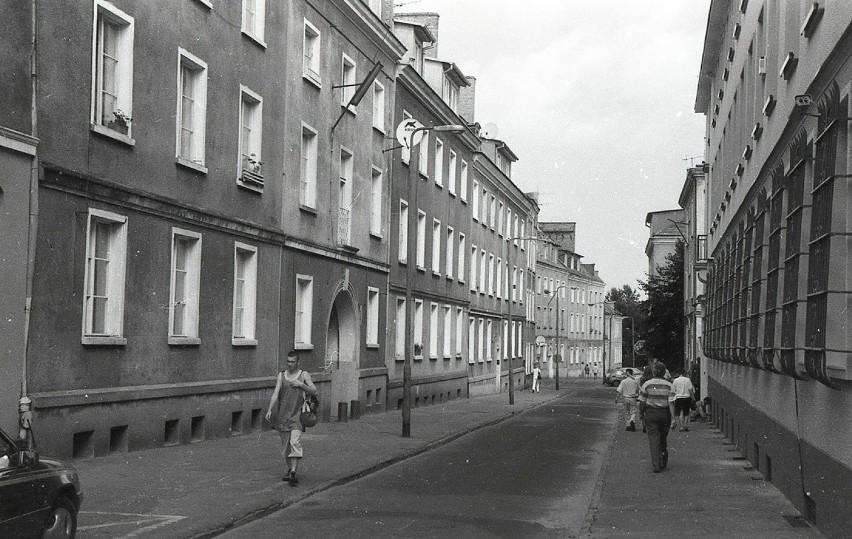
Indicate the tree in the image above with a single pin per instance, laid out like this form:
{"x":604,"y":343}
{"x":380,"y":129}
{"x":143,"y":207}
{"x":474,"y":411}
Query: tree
{"x":663,"y":310}
{"x":627,"y":302}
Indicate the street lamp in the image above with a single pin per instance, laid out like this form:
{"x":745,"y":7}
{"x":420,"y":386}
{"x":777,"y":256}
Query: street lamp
{"x":558,"y":354}
{"x":509,"y":301}
{"x":411,"y":259}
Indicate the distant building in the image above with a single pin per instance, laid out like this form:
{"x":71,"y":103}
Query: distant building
{"x":665,"y":230}
{"x":774,"y":87}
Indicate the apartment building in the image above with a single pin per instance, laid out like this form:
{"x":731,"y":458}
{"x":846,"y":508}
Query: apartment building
{"x":208,"y":201}
{"x":665,"y":230}
{"x":774,"y":89}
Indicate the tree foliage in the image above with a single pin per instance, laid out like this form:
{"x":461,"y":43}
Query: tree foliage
{"x":627,"y":302}
{"x":663,"y":309}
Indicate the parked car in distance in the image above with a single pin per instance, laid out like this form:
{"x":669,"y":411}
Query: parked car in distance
{"x":39,"y":496}
{"x":615,"y":376}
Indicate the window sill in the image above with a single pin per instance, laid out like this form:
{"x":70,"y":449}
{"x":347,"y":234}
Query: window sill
{"x":464,"y":201}
{"x":406,"y":162}
{"x":350,"y":110}
{"x":90,"y":340}
{"x":308,"y":209}
{"x":237,"y":341}
{"x":449,"y":277}
{"x":254,"y":38}
{"x":191,"y":165}
{"x":379,"y":128}
{"x":372,"y":346}
{"x":439,"y":184}
{"x":207,"y":3}
{"x":111,"y":133}
{"x":399,"y":359}
{"x":350,"y":248}
{"x":436,"y":273}
{"x":421,"y":269}
{"x":250,"y":187}
{"x":376,"y":235}
{"x":423,"y":175}
{"x":184,"y":341}
{"x":403,"y":262}
{"x":447,"y":358}
{"x":313,"y":81}
{"x":418,"y":358}
{"x":433,"y":358}
{"x":303,"y":346}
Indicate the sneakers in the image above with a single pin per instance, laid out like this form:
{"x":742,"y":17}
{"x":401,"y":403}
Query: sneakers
{"x":290,"y":477}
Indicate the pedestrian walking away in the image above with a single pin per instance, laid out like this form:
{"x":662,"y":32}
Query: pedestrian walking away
{"x":586,"y":370}
{"x":595,"y":372}
{"x":536,"y":385}
{"x":656,"y":408}
{"x":647,"y":374}
{"x":684,"y":397}
{"x":285,"y":406}
{"x":628,"y":390}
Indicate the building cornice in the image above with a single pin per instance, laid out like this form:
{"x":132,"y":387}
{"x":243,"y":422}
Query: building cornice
{"x":714,"y":36}
{"x":17,"y":141}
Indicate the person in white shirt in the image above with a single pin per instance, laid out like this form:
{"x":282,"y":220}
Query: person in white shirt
{"x":684,"y":396}
{"x":536,"y":385}
{"x":628,"y":389}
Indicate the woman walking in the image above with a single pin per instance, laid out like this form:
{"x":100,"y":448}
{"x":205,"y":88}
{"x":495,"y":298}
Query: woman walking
{"x":288,"y":399}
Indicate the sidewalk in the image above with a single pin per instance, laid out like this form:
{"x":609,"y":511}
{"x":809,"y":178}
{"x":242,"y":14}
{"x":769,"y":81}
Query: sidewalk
{"x":708,"y":490}
{"x":191,"y":491}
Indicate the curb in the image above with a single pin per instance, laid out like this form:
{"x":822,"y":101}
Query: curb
{"x":589,"y":519}
{"x":272,"y":508}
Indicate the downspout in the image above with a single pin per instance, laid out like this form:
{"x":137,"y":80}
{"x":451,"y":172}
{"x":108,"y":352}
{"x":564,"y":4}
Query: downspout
{"x":33,"y":214}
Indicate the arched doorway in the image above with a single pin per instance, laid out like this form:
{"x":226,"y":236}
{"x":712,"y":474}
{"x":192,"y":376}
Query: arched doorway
{"x":342,"y":350}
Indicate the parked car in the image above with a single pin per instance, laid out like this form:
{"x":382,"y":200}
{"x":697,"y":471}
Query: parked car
{"x":615,"y":376}
{"x":39,"y":496}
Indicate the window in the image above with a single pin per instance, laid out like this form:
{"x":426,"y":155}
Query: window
{"x":490,"y":275}
{"x":483,"y":272}
{"x":483,"y":208}
{"x":406,"y":151}
{"x":106,"y":253}
{"x":421,"y":239}
{"x":112,"y":71}
{"x":488,"y":337}
{"x":254,"y":19}
{"x":344,"y":198}
{"x":463,"y":179}
{"x":500,"y":218}
{"x":418,"y":328}
{"x":191,"y":109}
{"x":185,"y":286}
{"x":451,"y":240}
{"x":459,"y":330}
{"x":347,"y":78}
{"x":460,"y":273}
{"x":433,"y":330}
{"x":402,"y":255}
{"x":376,"y":186}
{"x":372,"y":316}
{"x":480,"y":350}
{"x":493,"y":216}
{"x":399,"y":345}
{"x":471,"y":340}
{"x":304,"y":310}
{"x":251,"y":121}
{"x":475,"y":199}
{"x":439,"y":162}
{"x":308,"y":172}
{"x":499,"y":277}
{"x":523,"y":234}
{"x":423,"y":148}
{"x":508,"y":223}
{"x":473,"y":252}
{"x":436,"y":246}
{"x":245,"y":294}
{"x":451,"y":177}
{"x":379,"y":106}
{"x":451,"y":94}
{"x":311,"y":50}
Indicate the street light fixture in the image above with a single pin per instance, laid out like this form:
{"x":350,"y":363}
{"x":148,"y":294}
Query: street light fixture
{"x":408,"y":142}
{"x":558,"y":359}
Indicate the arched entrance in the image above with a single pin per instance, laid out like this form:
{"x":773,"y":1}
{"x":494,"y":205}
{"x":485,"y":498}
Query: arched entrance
{"x":342,"y":350}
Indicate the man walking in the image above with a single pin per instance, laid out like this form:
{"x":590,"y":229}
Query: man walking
{"x":656,"y":408}
{"x":628,"y":390}
{"x":684,"y":397}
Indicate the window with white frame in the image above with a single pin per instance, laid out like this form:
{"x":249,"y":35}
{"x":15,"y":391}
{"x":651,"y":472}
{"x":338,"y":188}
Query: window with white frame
{"x":483,"y":271}
{"x":451,"y":94}
{"x":499,"y":277}
{"x":348,"y":80}
{"x":500,"y":218}
{"x":418,"y":328}
{"x":421,"y":239}
{"x":423,"y":148}
{"x":433,"y":330}
{"x":473,"y":259}
{"x":505,"y":338}
{"x":459,"y":330}
{"x":436,"y":246}
{"x":452,"y":174}
{"x":463,"y":181}
{"x":480,"y":349}
{"x":379,"y":106}
{"x":483,"y":207}
{"x":185,"y":286}
{"x":402,"y":255}
{"x":372,"y":316}
{"x":376,"y":187}
{"x":106,"y":254}
{"x":406,"y":151}
{"x":451,"y":240}
{"x":191,"y":108}
{"x":488,"y":337}
{"x":508,"y":223}
{"x":475,"y":197}
{"x":254,"y":19}
{"x":515,"y":229}
{"x":447,"y":330}
{"x":304,"y":310}
{"x":460,"y":272}
{"x":493,"y":216}
{"x":344,"y":197}
{"x":251,"y":129}
{"x":439,"y":162}
{"x":311,"y":51}
{"x":523,"y":234}
{"x":490,"y":275}
{"x":245,"y":294}
{"x":112,"y":69}
{"x":471,"y":340}
{"x":399,"y":342}
{"x":308,"y":172}
{"x":514,"y":283}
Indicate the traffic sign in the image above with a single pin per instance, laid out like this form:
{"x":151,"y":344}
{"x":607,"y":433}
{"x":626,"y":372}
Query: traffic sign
{"x":409,"y":133}
{"x":540,"y":340}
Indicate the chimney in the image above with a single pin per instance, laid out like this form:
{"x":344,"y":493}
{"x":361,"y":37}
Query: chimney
{"x":467,"y":100}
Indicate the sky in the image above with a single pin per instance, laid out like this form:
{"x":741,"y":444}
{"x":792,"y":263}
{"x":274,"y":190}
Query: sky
{"x":597,"y":100}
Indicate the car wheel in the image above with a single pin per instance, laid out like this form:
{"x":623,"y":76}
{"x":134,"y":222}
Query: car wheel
{"x":62,"y":521}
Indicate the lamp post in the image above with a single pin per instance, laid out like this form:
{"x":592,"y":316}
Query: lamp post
{"x":555,"y":293}
{"x":632,"y":341}
{"x":411,"y":259}
{"x":509,"y":300}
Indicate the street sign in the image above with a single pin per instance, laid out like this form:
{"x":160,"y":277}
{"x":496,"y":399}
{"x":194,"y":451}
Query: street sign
{"x":406,"y":133}
{"x":540,"y":340}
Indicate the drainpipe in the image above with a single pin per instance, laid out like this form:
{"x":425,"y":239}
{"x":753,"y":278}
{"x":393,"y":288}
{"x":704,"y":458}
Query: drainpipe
{"x":33,"y":213}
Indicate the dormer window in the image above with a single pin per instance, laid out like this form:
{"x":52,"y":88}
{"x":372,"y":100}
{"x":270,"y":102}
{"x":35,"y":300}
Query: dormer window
{"x":417,"y":57}
{"x":451,"y":94}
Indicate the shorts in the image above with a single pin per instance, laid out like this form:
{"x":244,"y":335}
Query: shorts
{"x":291,"y":443}
{"x":682,"y":405}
